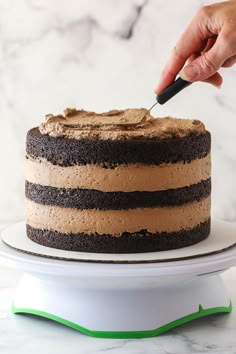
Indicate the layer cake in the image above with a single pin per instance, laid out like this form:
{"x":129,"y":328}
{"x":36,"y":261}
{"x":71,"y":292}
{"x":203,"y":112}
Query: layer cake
{"x":117,"y":182}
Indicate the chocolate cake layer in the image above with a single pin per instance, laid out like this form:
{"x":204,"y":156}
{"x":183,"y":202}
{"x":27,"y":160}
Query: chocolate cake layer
{"x":93,"y":199}
{"x":137,"y":242}
{"x":69,"y":152}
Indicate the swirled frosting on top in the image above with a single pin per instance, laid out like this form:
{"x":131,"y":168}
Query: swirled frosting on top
{"x":118,"y":124}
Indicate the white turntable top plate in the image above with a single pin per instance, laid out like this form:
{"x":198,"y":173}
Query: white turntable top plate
{"x":222,"y":237}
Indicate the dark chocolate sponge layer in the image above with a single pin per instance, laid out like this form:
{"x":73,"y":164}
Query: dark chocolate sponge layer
{"x":69,"y":152}
{"x":138,"y":242}
{"x":94,"y":199}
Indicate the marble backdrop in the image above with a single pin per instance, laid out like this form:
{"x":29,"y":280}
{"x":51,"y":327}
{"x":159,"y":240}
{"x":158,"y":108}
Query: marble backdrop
{"x":100,"y":55}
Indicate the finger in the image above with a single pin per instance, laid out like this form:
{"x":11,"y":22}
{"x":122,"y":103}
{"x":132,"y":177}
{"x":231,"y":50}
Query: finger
{"x":190,"y":42}
{"x":206,"y":45}
{"x":192,"y":58}
{"x":229,"y":62}
{"x":215,"y":80}
{"x":209,"y":62}
{"x":209,"y":44}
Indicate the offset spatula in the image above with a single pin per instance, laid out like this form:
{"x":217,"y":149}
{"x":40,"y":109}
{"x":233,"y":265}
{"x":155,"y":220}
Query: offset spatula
{"x":169,"y":92}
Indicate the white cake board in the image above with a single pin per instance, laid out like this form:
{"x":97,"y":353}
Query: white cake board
{"x":121,"y":300}
{"x":222,"y":237}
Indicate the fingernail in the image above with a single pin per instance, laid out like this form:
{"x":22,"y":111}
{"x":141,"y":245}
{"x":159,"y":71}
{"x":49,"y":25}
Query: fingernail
{"x":190,"y":72}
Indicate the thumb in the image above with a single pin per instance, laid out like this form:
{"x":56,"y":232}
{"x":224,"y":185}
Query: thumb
{"x":206,"y":64}
{"x":200,"y":69}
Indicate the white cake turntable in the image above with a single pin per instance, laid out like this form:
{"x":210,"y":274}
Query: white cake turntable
{"x":125,"y":295}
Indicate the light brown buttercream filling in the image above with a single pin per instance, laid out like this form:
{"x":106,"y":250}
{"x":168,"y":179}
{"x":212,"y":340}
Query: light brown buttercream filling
{"x":118,"y":124}
{"x":126,"y":178}
{"x":115,"y":222}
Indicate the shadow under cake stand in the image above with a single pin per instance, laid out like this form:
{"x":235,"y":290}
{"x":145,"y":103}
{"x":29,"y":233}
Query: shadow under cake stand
{"x":121,"y":295}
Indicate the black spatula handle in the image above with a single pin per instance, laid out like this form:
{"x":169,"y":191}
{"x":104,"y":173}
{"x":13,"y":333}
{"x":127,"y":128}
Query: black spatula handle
{"x":172,"y":90}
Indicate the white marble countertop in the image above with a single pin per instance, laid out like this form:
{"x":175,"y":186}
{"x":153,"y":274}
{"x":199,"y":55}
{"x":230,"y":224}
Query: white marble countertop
{"x":23,"y":334}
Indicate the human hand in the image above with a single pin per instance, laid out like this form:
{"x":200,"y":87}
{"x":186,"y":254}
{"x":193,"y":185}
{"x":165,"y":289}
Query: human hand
{"x":207,"y":44}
